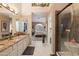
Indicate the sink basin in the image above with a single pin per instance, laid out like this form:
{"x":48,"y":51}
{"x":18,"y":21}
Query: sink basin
{"x":15,"y":38}
{"x":72,"y":47}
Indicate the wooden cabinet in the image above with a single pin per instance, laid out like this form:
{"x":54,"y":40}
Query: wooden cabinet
{"x":22,"y":45}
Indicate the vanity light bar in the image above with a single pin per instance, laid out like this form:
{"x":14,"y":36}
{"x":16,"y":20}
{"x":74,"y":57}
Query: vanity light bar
{"x":11,"y":9}
{"x":7,"y":7}
{"x":4,"y":4}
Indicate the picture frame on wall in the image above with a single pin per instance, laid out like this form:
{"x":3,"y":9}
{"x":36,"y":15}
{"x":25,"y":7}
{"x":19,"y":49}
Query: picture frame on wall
{"x":5,"y":25}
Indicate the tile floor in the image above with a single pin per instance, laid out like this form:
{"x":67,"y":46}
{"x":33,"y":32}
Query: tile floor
{"x":41,"y":49}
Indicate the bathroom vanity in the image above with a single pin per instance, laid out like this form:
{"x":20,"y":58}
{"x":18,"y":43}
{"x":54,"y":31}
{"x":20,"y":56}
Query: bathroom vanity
{"x":14,"y":46}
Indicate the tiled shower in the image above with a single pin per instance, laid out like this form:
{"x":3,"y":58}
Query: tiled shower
{"x":69,"y":30}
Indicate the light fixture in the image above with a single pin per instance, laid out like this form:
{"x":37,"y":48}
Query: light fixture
{"x":16,"y":12}
{"x":4,"y":4}
{"x":11,"y":9}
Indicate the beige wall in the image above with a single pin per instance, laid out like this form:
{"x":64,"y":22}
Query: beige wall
{"x":16,"y":6}
{"x":52,"y":14}
{"x":26,"y":9}
{"x":29,"y":26}
{"x":13,"y":24}
{"x":27,"y":13}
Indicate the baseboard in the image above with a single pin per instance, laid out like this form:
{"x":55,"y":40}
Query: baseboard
{"x":53,"y":55}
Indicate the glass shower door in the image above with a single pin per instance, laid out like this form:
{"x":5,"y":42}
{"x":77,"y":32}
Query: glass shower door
{"x":65,"y":25}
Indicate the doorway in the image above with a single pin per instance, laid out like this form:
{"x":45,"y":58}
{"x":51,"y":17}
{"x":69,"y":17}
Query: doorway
{"x":38,"y":31}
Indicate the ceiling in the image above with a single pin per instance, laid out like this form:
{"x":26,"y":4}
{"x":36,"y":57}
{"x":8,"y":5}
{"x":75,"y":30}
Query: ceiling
{"x":39,"y":14}
{"x":7,"y":12}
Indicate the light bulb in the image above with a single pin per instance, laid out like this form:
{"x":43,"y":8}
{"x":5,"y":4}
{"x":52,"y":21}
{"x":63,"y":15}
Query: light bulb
{"x":16,"y":12}
{"x":11,"y":9}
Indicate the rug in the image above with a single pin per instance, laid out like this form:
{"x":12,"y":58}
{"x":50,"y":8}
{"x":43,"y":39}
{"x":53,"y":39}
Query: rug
{"x":29,"y":50}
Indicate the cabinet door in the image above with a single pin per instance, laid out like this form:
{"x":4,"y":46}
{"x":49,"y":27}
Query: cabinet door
{"x":14,"y":50}
{"x":20,"y":47}
{"x":6,"y":52}
{"x":13,"y":53}
{"x":25,"y":43}
{"x":27,"y":40}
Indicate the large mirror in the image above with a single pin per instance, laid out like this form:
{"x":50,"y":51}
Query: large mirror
{"x":4,"y":26}
{"x":21,"y":26}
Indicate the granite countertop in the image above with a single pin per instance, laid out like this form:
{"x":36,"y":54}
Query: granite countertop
{"x":4,"y":44}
